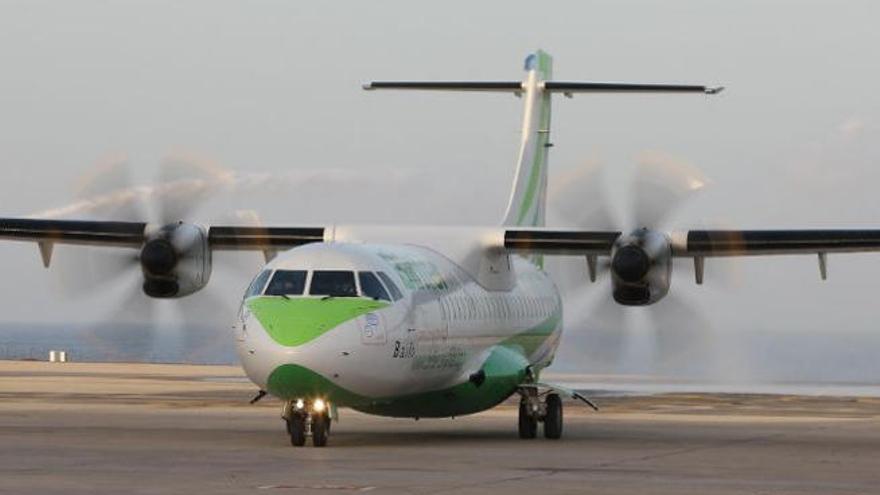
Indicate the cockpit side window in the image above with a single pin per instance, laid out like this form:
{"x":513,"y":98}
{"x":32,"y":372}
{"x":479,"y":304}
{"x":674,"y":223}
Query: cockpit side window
{"x":371,"y":287}
{"x":287,"y":283}
{"x":258,"y":283}
{"x":392,"y":287}
{"x":335,"y":283}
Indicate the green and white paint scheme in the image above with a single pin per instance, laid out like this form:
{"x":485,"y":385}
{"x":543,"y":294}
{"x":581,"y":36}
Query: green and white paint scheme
{"x":409,"y":358}
{"x":420,"y":321}
{"x":449,"y":320}
{"x":465,"y":312}
{"x":529,"y":196}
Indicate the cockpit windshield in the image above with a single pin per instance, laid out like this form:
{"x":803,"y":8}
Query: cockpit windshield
{"x":334,"y":283}
{"x":258,"y":283}
{"x":395,"y":292}
{"x":371,"y":287}
{"x":287,"y":283}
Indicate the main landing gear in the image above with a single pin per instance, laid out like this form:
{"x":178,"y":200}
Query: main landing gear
{"x":307,"y":419}
{"x":533,"y":410}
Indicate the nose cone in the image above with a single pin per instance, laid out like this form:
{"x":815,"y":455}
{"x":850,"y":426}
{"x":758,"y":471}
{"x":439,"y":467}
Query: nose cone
{"x":297,"y":321}
{"x":630,"y":263}
{"x":158,"y":257}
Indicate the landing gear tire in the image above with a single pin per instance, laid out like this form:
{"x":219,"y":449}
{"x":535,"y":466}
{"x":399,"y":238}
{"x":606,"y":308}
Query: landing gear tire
{"x":528,"y":424}
{"x":296,"y":427}
{"x":553,"y":417}
{"x":320,"y":429}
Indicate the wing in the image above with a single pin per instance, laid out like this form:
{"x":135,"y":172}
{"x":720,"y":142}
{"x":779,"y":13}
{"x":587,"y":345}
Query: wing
{"x":560,"y":242}
{"x":46,"y":233}
{"x":764,"y":242}
{"x":122,"y":234}
{"x":697,"y":244}
{"x":262,"y":238}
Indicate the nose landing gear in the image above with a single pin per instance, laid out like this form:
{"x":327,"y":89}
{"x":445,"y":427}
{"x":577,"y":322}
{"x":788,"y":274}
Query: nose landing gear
{"x":297,"y":424}
{"x":304,"y":420}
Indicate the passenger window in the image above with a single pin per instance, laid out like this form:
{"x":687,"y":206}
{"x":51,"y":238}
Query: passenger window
{"x":258,"y":283}
{"x":287,"y":282}
{"x":395,"y":292}
{"x":371,"y":287}
{"x":333,"y":283}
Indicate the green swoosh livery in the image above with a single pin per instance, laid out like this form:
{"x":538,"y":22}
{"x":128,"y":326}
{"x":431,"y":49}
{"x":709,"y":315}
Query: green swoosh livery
{"x":294,"y":322}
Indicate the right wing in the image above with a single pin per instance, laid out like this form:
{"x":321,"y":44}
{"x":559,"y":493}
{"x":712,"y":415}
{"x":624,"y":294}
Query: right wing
{"x":262,"y":238}
{"x":48,"y":232}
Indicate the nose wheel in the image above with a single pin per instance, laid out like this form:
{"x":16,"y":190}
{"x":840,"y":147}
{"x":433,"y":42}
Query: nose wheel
{"x":296,"y":428}
{"x":320,"y":429}
{"x":303,"y":422}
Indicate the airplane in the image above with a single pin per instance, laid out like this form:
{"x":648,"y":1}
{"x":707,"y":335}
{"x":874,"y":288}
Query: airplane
{"x":424,"y":321}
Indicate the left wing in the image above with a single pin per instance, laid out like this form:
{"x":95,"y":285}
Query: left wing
{"x":699,"y":243}
{"x":645,"y":248}
{"x":764,"y":242}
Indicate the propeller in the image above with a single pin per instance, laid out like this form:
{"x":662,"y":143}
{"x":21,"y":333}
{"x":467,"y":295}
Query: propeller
{"x":668,"y":337}
{"x":108,"y":192}
{"x":141,"y":327}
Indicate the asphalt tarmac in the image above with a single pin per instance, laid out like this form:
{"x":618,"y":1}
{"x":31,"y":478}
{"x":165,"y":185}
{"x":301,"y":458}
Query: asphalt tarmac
{"x":132,"y":428}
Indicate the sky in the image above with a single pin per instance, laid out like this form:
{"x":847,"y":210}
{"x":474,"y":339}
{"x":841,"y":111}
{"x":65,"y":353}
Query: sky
{"x":274,"y":87}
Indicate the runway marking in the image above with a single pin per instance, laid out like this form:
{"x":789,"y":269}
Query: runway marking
{"x":350,"y":488}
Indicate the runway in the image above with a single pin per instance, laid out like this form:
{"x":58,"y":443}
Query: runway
{"x":133,"y":428}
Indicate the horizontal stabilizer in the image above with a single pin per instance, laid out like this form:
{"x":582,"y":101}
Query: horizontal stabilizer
{"x":487,"y":86}
{"x":549,"y":86}
{"x":613,"y":87}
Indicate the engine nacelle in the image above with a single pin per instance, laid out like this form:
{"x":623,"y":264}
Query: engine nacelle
{"x":175,"y":260}
{"x":641,"y":267}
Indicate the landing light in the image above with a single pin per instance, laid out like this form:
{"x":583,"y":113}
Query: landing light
{"x":300,"y":404}
{"x":319,"y":405}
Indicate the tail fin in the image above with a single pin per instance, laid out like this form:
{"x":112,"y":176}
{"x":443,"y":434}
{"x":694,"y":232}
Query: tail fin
{"x":528,"y":199}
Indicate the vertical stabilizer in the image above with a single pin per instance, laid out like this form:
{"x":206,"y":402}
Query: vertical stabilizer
{"x":528,"y":199}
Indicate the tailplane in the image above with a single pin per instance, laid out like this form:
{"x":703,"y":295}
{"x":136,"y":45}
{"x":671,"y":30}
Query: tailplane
{"x":528,"y":199}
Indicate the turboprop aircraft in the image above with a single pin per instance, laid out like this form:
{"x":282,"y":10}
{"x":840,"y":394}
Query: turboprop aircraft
{"x":424,"y":321}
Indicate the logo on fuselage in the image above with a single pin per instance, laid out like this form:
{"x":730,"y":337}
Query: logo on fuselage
{"x":372,"y":330}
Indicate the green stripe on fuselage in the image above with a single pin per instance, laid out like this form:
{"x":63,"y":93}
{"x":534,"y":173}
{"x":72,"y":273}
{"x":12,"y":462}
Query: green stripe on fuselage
{"x":505,"y":369}
{"x":296,"y":321}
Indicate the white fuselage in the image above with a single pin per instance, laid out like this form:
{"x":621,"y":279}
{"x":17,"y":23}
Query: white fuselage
{"x":439,"y":333}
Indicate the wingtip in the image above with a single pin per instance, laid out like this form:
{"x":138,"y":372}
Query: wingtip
{"x":367,"y":86}
{"x":714,"y":90}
